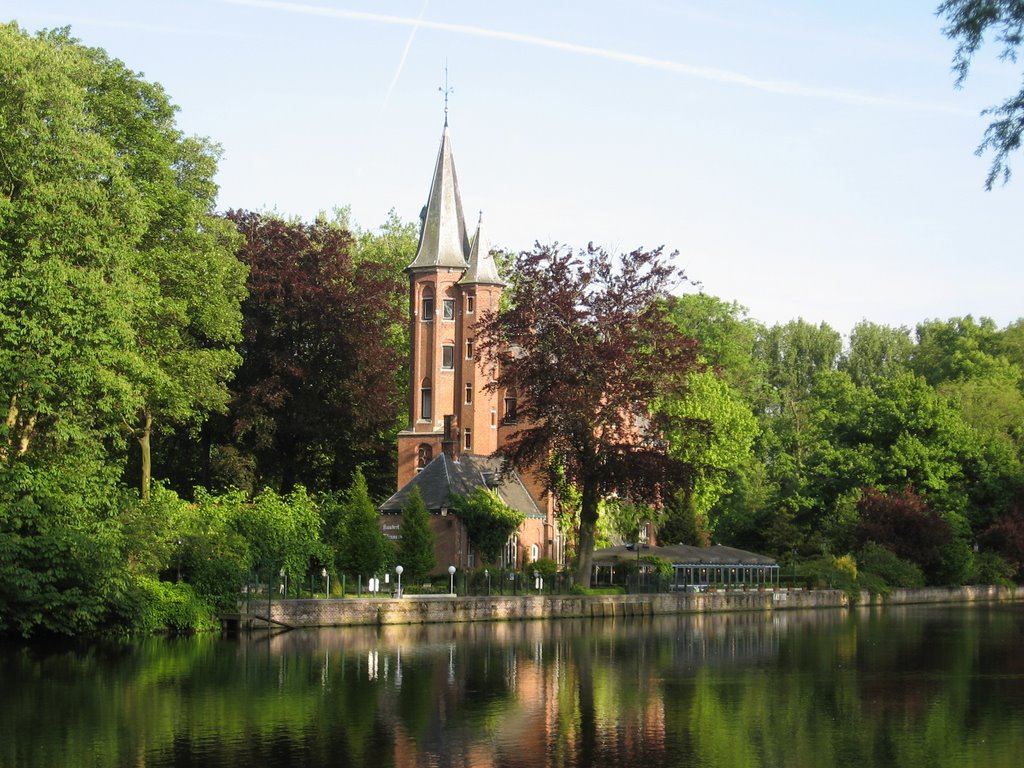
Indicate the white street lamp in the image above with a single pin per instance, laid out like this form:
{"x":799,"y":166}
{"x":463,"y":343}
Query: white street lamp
{"x":399,"y":569}
{"x":451,"y":576}
{"x":327,"y":582}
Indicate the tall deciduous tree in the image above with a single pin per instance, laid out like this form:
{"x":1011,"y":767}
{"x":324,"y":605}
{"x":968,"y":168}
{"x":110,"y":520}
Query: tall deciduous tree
{"x":122,"y":286}
{"x":317,"y":393}
{"x":967,"y":23}
{"x":587,"y":344}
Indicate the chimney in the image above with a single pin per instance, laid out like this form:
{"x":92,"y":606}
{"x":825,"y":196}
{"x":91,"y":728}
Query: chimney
{"x":448,"y":441}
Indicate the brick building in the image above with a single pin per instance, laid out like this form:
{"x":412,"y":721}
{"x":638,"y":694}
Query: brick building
{"x":455,"y":423}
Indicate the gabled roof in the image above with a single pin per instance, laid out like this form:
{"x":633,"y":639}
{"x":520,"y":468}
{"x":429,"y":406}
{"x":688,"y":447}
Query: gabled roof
{"x":482,"y":269}
{"x":443,"y":240}
{"x":444,"y":476}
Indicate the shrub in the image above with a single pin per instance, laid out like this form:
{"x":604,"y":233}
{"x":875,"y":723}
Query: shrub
{"x":882,"y":563}
{"x":172,"y":606}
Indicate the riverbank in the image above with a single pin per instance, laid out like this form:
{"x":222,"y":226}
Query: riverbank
{"x":434,"y":609}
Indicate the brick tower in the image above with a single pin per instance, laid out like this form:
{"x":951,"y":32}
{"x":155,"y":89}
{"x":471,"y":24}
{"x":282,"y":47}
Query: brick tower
{"x":452,"y":281}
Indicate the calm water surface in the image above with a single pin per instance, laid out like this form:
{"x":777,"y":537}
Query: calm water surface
{"x":907,"y":687}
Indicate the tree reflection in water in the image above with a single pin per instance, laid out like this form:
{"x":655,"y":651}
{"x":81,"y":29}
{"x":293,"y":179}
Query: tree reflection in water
{"x":895,"y":687}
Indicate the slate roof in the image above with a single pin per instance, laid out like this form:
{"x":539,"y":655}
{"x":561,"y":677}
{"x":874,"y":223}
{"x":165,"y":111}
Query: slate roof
{"x":444,"y":476}
{"x":443,"y":239}
{"x":482,"y":269}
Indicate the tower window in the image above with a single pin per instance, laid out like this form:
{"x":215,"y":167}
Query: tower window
{"x":510,"y":408}
{"x":425,"y":401}
{"x":470,"y":303}
{"x":423,"y":455}
{"x":467,"y":439}
{"x":469,"y":349}
{"x":469,"y":394}
{"x":449,"y":309}
{"x":447,"y":356}
{"x":428,"y":309}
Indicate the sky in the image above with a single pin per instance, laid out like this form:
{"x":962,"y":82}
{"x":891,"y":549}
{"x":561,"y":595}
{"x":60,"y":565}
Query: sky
{"x":806,"y":159}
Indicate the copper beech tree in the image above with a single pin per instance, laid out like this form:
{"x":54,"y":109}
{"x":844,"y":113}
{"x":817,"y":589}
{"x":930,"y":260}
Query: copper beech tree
{"x":586,"y":343}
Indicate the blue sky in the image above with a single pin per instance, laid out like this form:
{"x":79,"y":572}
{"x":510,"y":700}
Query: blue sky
{"x":806,"y":159}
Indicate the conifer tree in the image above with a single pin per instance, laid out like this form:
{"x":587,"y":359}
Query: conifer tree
{"x":363,"y":550}
{"x":416,"y":549}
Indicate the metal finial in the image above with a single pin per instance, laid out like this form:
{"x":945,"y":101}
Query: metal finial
{"x":446,"y":91}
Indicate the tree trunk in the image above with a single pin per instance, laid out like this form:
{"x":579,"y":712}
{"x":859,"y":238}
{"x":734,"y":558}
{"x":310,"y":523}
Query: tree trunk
{"x":588,"y":532}
{"x":146,"y":473}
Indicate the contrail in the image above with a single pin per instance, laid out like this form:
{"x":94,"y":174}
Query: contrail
{"x":401,"y":62}
{"x":782,"y":87}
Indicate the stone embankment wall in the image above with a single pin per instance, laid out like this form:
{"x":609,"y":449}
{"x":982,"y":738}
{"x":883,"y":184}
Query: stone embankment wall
{"x":416,"y":609}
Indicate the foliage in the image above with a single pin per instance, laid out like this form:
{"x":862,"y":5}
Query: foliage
{"x":318,"y":392}
{"x":710,"y":430}
{"x":876,"y":352}
{"x":416,"y":548}
{"x":173,"y":606}
{"x":119,"y":287}
{"x":1005,"y":537}
{"x":967,"y":21}
{"x":990,"y":568}
{"x":489,"y":521}
{"x":587,"y":344}
{"x":363,"y":550}
{"x":892,"y":570}
{"x":903,"y":523}
{"x":545,"y":566}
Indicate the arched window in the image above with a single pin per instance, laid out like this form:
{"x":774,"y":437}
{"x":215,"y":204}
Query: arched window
{"x":448,"y":304}
{"x":427,"y":304}
{"x":424,"y":453}
{"x":426,"y":412}
{"x":534,"y":553}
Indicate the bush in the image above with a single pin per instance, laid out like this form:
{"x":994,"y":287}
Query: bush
{"x":893,"y":571}
{"x":991,"y":568}
{"x":174,"y":607}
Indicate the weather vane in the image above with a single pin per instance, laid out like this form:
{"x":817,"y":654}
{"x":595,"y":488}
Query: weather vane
{"x":446,"y":91}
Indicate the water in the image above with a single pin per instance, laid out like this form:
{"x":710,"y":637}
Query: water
{"x":928,"y":686}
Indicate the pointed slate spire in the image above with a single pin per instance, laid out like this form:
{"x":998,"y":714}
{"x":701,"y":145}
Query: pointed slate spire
{"x":482,"y":269}
{"x":443,"y":241}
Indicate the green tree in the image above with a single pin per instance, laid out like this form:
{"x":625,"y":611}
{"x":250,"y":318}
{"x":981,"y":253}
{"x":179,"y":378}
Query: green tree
{"x":710,"y":430}
{"x":121,"y":291}
{"x":967,"y":22}
{"x":488,"y":520}
{"x":71,"y":218}
{"x":363,"y":549}
{"x":416,"y":547}
{"x":876,"y":352}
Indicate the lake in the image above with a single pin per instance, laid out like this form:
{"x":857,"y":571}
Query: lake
{"x":911,"y":686}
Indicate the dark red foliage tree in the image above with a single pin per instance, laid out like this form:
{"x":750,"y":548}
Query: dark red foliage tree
{"x":587,"y":345}
{"x":319,"y":390}
{"x":904,"y":524}
{"x":1005,"y":536}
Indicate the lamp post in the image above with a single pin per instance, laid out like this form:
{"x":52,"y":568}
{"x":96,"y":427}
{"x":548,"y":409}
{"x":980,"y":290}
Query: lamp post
{"x":451,"y":578}
{"x":399,"y":569}
{"x":487,"y":576}
{"x":327,"y":582}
